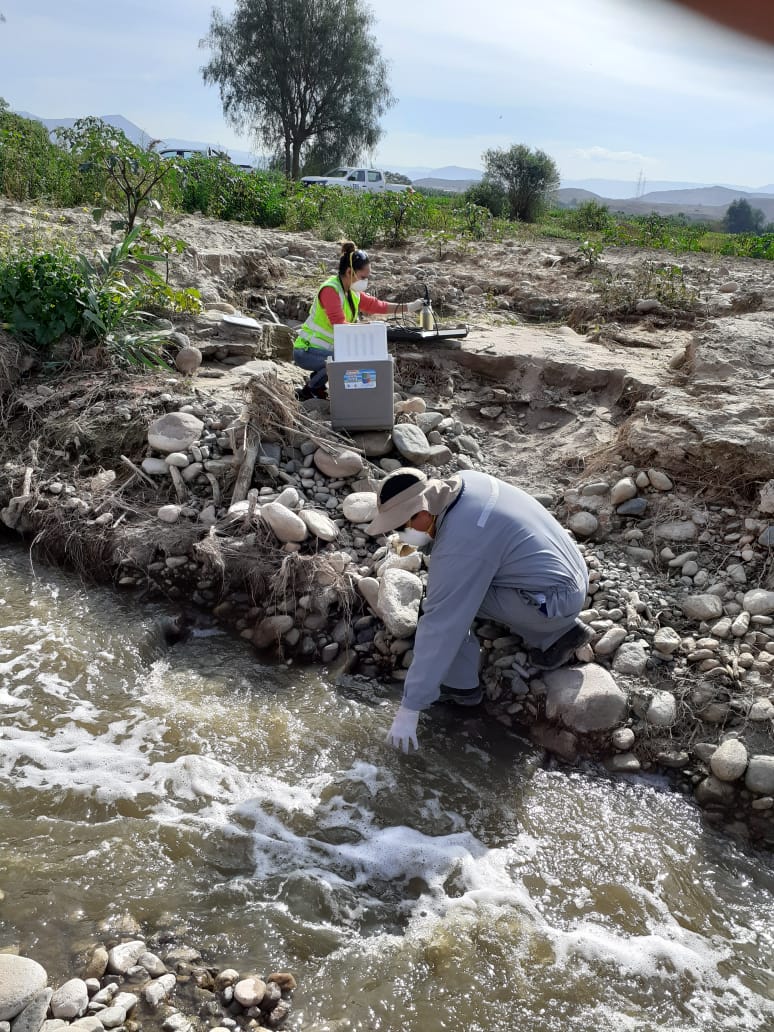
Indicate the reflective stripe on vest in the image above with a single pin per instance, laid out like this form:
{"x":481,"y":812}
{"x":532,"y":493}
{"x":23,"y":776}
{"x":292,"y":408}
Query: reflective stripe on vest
{"x":317,"y":331}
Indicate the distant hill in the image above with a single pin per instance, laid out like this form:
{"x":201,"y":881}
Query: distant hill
{"x":450,"y":172}
{"x":139,"y":137}
{"x":706,"y":195}
{"x":655,"y":202}
{"x":572,"y":195}
{"x":129,"y":129}
{"x":450,"y":185}
{"x":455,"y":172}
{"x":627,"y":188}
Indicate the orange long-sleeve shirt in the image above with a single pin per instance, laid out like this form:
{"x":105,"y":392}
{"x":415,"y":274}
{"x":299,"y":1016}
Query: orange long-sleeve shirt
{"x":334,"y":309}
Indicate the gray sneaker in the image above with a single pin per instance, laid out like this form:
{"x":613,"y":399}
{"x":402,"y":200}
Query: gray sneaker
{"x":461,"y":696}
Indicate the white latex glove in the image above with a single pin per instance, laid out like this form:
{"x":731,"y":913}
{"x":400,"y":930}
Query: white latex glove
{"x":414,"y":306}
{"x":404,"y":729}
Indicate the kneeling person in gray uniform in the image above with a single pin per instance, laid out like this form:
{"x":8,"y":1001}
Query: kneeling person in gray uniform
{"x":497,"y":554}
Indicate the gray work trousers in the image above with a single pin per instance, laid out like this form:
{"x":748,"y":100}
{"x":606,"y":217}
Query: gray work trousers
{"x":511,"y":608}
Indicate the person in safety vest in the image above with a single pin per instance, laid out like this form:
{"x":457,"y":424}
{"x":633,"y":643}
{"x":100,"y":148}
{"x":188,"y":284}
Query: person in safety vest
{"x":496,"y":554}
{"x":339,"y":300}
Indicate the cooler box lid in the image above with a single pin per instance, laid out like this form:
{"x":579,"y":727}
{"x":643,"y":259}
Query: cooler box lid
{"x":356,"y":342}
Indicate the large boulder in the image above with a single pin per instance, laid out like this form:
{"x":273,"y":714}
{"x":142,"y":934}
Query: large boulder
{"x":662,"y":710}
{"x":758,"y":602}
{"x":34,"y":1014}
{"x":374,"y":443}
{"x":369,"y":589}
{"x":729,"y":761}
{"x":631,"y":658}
{"x":360,"y":506}
{"x":400,"y":593}
{"x":125,"y":955}
{"x":677,"y":530}
{"x":702,"y":607}
{"x":70,"y":1000}
{"x":188,"y":359}
{"x":319,"y":524}
{"x":584,"y":698}
{"x":286,"y":524}
{"x":412,"y":444}
{"x":760,"y":775}
{"x":339,"y":465}
{"x":270,"y":630}
{"x":174,"y":432}
{"x":20,"y":979}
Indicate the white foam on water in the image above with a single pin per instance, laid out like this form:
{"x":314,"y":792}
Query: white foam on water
{"x":403,"y":878}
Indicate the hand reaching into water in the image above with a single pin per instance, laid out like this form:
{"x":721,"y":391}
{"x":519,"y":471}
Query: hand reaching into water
{"x":404,"y":729}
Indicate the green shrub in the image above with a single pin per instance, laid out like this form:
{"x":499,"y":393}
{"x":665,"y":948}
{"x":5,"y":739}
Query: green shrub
{"x":31,"y":166}
{"x":108,"y":299}
{"x":215,"y":187}
{"x":490,"y":195}
{"x":588,"y":217}
{"x":41,"y":297}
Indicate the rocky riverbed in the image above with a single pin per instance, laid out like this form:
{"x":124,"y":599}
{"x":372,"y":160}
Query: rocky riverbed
{"x":129,"y":983}
{"x":635,"y":400}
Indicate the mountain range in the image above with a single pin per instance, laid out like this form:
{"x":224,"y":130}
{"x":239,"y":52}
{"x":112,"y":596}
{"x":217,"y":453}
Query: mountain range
{"x":701,"y":200}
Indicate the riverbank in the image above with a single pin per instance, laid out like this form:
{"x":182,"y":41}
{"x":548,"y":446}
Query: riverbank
{"x":129,"y":982}
{"x":648,"y":435}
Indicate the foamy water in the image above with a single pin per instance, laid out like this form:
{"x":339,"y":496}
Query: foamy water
{"x":468,"y":887}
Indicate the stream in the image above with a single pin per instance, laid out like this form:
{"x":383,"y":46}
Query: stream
{"x":470,"y":886}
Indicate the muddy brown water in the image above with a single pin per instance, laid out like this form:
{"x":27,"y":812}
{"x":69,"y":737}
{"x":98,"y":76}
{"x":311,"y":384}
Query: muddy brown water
{"x":470,"y":886}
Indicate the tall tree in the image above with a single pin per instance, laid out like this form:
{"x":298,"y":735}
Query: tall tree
{"x":528,"y":178}
{"x":741,"y":217}
{"x":300,"y":72}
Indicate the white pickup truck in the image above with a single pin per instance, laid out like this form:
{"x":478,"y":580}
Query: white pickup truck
{"x":371,"y":180}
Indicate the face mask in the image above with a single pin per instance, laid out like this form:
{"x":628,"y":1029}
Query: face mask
{"x":415,"y":538}
{"x":360,"y":285}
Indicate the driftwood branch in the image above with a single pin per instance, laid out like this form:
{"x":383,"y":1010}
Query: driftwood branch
{"x":245,"y":475}
{"x":137,"y":471}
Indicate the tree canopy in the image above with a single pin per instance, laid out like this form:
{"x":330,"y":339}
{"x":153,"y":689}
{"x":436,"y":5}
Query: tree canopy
{"x":526,"y":176}
{"x":304,"y":76}
{"x":741,"y":217}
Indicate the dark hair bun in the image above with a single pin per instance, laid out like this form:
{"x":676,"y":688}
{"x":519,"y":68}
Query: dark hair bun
{"x":347,"y":246}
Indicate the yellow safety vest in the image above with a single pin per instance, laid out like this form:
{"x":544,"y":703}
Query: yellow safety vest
{"x":317,"y":331}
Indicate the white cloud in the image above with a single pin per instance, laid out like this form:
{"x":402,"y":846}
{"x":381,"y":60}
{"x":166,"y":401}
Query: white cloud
{"x":604,"y":154}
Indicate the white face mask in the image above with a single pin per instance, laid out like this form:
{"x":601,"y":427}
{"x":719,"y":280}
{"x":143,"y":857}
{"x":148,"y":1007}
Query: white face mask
{"x":360,"y":285}
{"x":415,"y":538}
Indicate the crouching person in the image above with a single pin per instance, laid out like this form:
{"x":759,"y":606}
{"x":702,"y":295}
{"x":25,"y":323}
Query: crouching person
{"x":496,"y":553}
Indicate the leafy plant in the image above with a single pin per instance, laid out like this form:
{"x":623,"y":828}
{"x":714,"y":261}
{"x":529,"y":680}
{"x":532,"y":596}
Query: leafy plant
{"x":41,"y":297}
{"x":115,"y":292}
{"x":588,"y":217}
{"x":490,"y":195}
{"x":30,"y":165}
{"x":590,"y":253}
{"x":135,"y":177}
{"x":665,"y":283}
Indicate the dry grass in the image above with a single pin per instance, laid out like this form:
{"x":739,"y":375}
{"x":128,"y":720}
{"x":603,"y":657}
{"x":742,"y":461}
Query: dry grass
{"x":64,"y":538}
{"x":78,"y":418}
{"x":273,"y":578}
{"x":12,"y":360}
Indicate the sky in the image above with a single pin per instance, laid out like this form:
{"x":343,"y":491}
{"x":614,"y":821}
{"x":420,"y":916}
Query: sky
{"x":611,"y":89}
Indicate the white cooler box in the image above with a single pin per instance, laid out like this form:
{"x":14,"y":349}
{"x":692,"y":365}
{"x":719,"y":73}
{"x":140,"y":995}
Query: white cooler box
{"x":361,"y":381}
